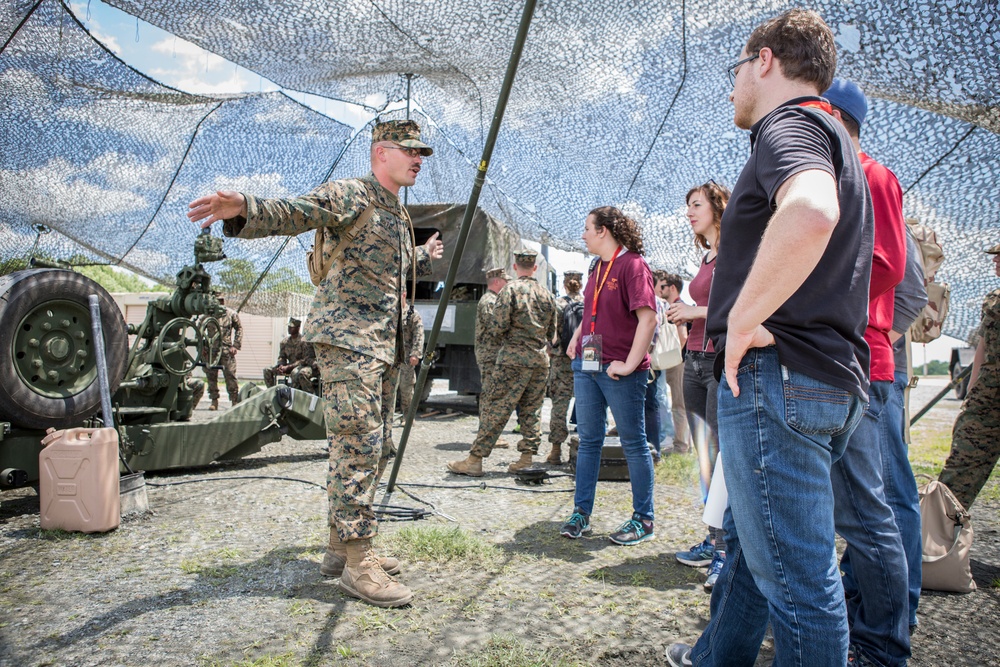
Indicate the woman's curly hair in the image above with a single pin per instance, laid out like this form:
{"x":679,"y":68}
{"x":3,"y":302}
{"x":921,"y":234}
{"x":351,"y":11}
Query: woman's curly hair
{"x":624,"y":229}
{"x":717,"y":196}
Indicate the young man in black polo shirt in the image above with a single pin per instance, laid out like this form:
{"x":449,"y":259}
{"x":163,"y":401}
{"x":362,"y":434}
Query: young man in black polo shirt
{"x":787,"y":312}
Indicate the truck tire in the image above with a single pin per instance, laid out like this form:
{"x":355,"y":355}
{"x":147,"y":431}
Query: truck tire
{"x":48,"y":367}
{"x":962,"y":388}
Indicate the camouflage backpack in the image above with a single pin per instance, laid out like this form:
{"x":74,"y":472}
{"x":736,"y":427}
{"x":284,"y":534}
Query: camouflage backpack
{"x":927,"y":326}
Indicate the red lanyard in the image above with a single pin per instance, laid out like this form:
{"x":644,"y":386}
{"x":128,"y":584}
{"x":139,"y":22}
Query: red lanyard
{"x":600,"y":286}
{"x":822,"y":105}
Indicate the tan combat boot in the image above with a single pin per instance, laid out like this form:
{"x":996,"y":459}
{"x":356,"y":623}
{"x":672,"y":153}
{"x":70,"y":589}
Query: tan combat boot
{"x":522,"y":463}
{"x":472,"y":466}
{"x":364,"y":578}
{"x":214,"y":405}
{"x":555,"y":456}
{"x":501,"y":444}
{"x":336,"y":557}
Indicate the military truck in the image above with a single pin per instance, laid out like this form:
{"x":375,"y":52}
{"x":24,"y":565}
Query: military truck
{"x":49,"y":374}
{"x":490,"y":244}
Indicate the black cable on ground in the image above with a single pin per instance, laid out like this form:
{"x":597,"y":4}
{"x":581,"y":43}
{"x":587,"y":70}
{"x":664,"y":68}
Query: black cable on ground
{"x":223,"y":479}
{"x":384,"y":512}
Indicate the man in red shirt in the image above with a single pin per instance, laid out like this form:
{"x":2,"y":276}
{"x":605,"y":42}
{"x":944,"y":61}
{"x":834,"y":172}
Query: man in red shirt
{"x":875,"y":563}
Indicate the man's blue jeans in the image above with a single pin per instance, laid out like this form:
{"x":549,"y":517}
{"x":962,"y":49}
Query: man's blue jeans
{"x":876,"y":587}
{"x":901,"y":489}
{"x":594,"y":393}
{"x":779,"y":439}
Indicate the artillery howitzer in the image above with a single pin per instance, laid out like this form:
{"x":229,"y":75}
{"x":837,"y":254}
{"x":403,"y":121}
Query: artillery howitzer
{"x":48,"y":374}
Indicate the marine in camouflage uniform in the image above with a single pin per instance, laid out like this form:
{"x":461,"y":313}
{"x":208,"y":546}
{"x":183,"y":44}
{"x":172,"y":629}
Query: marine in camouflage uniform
{"x":355,"y":325}
{"x":975,"y":443}
{"x":232,"y":340}
{"x":561,"y":372}
{"x":525,"y":321}
{"x":298,"y":354}
{"x":413,"y":349}
{"x":487,"y":341}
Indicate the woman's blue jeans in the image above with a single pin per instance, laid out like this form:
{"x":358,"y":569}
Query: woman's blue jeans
{"x":595,"y":392}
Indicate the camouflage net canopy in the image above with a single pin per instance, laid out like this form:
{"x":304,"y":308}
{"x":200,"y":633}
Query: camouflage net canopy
{"x":616,"y":102}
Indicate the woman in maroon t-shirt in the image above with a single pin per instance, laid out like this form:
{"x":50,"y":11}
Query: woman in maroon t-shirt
{"x":610,"y":368}
{"x":705,"y":205}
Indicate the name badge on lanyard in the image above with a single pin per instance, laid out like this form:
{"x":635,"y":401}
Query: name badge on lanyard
{"x":591,"y":345}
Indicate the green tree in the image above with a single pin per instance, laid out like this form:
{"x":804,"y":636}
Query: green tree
{"x":239,"y":275}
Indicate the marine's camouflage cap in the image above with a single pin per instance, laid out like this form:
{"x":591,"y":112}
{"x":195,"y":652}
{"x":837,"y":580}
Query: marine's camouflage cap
{"x":497,"y":273}
{"x":995,"y":250}
{"x":525,"y":258}
{"x":292,"y":322}
{"x":567,"y":275}
{"x":403,"y":132}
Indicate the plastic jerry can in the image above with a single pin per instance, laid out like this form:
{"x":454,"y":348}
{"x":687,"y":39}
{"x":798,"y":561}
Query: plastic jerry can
{"x":78,"y":480}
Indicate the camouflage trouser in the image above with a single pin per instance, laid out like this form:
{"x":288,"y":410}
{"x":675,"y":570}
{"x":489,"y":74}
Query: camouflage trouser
{"x":407,"y":378}
{"x":511,"y":387}
{"x":198,"y":389}
{"x":485,"y":376}
{"x":560,"y":391}
{"x":358,"y":393}
{"x":975,"y":440}
{"x":228,"y":365}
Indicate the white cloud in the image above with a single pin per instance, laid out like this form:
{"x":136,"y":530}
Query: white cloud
{"x":57,"y":192}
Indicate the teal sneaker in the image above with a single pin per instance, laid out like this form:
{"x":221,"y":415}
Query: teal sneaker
{"x":633,"y":531}
{"x":577,"y":526}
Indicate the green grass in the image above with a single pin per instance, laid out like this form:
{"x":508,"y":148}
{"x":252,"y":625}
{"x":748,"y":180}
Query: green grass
{"x":442,"y":545}
{"x":507,"y":651}
{"x":677,"y":470}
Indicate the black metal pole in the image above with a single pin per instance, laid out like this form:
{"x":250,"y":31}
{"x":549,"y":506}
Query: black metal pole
{"x":961,"y":376}
{"x":463,"y":235}
{"x":406,"y":191}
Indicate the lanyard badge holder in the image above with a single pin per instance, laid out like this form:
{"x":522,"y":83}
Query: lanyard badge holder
{"x":591,"y":346}
{"x":591,"y":359}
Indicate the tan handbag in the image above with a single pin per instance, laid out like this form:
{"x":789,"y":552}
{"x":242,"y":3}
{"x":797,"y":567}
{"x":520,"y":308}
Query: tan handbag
{"x":946,"y":529}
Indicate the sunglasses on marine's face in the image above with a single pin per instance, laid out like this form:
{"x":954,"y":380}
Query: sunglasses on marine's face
{"x":410,"y":152}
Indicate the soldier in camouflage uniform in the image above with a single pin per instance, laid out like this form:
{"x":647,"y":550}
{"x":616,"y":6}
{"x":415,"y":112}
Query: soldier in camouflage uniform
{"x":355,"y":325}
{"x":296,"y":358}
{"x":487,"y":343}
{"x":524,"y":319}
{"x":413,"y":349}
{"x":975,"y":444}
{"x":560,"y":372}
{"x":232,"y":341}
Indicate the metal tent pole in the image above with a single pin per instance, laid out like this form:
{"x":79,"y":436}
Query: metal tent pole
{"x":463,"y":235}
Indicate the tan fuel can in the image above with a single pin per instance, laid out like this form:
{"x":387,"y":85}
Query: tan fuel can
{"x":78,"y":480}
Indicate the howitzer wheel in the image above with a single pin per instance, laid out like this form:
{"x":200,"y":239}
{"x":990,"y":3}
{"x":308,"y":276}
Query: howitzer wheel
{"x":48,"y":366}
{"x":172,"y":345}
{"x":211,"y":342}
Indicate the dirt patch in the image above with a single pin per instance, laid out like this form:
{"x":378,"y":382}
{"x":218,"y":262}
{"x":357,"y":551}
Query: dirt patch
{"x":225,"y":571}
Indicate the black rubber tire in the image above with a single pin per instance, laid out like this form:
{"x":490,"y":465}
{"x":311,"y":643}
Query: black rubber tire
{"x":20,"y":293}
{"x":962,"y":388}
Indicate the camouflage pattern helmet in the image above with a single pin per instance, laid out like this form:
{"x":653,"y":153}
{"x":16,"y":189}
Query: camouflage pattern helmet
{"x":572,"y":275}
{"x":497,"y":273}
{"x":525,"y":258}
{"x":292,"y":322}
{"x":404,"y":133}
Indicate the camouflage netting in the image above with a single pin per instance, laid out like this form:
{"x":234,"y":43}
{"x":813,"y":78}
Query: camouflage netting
{"x":613,"y":103}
